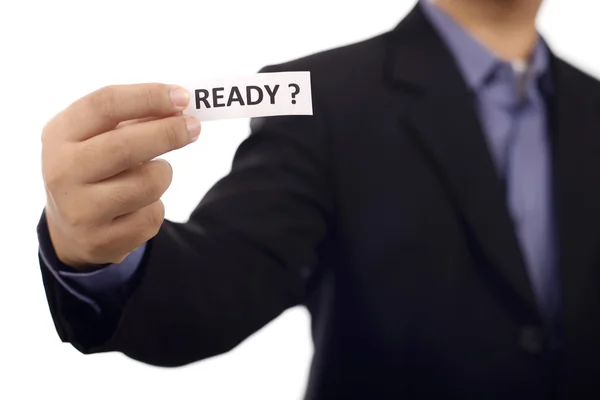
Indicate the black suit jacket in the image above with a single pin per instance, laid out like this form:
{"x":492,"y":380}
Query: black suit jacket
{"x":382,"y":214}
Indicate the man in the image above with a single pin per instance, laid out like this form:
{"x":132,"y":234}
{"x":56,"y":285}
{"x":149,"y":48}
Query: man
{"x":438,"y":215}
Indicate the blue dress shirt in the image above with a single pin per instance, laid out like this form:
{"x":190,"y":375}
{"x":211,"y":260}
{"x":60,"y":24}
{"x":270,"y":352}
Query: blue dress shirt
{"x":512,"y":111}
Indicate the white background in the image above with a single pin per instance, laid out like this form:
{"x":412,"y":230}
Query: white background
{"x":54,"y":51}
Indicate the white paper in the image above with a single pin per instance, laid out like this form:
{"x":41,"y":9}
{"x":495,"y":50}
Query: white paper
{"x":258,"y":95}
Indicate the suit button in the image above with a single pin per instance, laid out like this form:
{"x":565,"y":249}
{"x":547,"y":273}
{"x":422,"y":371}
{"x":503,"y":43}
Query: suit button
{"x":531,"y":340}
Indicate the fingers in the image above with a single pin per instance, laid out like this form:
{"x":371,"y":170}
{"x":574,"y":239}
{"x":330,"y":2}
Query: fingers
{"x":140,"y":120}
{"x":130,"y":190}
{"x":113,"y":152}
{"x":104,"y":109}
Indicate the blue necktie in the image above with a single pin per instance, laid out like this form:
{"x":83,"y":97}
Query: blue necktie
{"x":529,"y":196}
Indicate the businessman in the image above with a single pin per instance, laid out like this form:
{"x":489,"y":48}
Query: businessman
{"x":438,"y":215}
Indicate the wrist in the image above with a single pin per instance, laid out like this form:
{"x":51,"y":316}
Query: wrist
{"x":61,"y":245}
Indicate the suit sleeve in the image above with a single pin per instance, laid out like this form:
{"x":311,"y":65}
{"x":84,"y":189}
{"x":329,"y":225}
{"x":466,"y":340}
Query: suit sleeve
{"x":243,"y":257}
{"x":95,"y":287}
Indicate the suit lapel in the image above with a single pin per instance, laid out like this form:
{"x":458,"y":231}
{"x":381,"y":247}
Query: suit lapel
{"x":443,"y":121}
{"x":576,"y":146}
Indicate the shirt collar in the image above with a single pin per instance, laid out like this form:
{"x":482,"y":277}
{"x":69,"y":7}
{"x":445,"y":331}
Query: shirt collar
{"x":474,"y":59}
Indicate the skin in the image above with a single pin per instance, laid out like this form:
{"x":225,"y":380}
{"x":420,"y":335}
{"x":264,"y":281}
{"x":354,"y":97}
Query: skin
{"x":102,"y":181}
{"x":507,"y":27}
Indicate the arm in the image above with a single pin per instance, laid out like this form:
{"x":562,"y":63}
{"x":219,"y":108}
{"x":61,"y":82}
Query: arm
{"x":97,"y":288}
{"x":242,"y":258}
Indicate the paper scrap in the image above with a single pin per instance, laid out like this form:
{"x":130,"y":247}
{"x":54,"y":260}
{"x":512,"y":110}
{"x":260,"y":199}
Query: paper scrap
{"x":258,"y":95}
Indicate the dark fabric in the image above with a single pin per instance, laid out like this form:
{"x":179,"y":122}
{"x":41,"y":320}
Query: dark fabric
{"x":383,"y":215}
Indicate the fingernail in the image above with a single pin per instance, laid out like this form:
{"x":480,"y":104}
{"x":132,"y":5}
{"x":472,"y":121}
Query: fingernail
{"x":179,"y":97}
{"x":193,"y":127}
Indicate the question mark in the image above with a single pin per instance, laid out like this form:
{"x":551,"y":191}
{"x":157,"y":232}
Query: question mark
{"x":296,"y":91}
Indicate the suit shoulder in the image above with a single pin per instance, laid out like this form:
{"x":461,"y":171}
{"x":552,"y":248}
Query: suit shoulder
{"x":341,"y":77}
{"x":588,"y":83}
{"x":354,"y":61}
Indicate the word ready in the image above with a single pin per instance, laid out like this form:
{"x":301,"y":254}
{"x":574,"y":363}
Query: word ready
{"x":258,"y":95}
{"x":204,"y":98}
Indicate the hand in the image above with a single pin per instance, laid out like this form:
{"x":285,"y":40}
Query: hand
{"x":102,"y":182}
